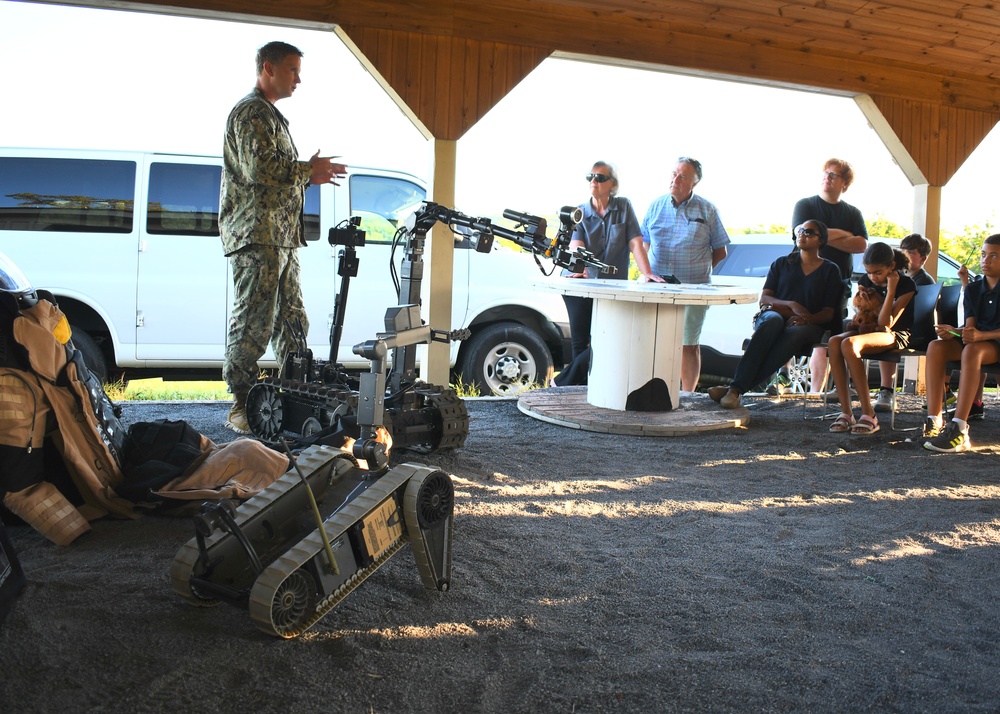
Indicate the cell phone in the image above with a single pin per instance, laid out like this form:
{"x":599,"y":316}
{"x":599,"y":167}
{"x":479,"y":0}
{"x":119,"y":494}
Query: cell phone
{"x":671,"y":279}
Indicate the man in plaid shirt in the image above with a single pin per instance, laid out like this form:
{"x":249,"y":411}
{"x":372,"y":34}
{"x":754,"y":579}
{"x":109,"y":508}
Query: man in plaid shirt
{"x":686,"y":239}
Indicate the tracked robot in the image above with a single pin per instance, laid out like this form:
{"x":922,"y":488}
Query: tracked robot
{"x":312,"y":395}
{"x":294,"y":551}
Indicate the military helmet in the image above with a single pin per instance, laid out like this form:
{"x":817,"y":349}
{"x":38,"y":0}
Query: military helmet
{"x":13,"y":282}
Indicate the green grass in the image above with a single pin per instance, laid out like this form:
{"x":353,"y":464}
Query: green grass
{"x":465,"y":390}
{"x":158,"y":390}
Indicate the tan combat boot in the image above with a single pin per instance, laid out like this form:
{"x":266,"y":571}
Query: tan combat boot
{"x":237,"y":419}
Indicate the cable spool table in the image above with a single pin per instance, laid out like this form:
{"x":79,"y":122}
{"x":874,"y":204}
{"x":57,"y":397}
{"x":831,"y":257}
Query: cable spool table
{"x":637,"y":334}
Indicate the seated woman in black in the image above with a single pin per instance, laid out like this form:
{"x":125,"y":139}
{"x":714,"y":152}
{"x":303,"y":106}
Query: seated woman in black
{"x":800,"y":295}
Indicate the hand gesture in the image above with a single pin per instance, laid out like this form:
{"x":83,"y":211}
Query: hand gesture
{"x":324,"y":170}
{"x":971,"y":334}
{"x":892,"y":280}
{"x":799,"y":309}
{"x":963,"y":275}
{"x":946,"y":332}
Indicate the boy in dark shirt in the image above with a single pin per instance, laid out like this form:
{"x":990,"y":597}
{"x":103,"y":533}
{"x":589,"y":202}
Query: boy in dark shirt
{"x":976,"y":344}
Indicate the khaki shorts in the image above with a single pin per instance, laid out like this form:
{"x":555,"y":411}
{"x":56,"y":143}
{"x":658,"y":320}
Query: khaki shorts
{"x":694,"y":318}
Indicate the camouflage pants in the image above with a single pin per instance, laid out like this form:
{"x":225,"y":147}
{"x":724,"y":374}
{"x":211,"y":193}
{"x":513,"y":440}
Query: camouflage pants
{"x":266,"y":307}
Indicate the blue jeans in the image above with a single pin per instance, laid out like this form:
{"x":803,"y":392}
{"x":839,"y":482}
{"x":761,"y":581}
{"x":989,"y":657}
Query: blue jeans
{"x":771,"y":345}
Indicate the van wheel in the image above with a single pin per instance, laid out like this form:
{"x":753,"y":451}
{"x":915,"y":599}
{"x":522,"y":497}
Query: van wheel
{"x":92,"y":355}
{"x":505,"y":359}
{"x":800,"y":374}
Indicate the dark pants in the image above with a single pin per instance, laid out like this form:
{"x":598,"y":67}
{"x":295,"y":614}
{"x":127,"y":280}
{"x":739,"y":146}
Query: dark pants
{"x":771,"y":345}
{"x":580,"y":310}
{"x":576,"y":372}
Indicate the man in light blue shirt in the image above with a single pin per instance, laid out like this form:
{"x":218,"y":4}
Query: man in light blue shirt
{"x":686,"y":239}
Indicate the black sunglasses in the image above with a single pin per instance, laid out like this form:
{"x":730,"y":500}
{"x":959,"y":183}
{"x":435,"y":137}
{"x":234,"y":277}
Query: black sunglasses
{"x":600,"y":178}
{"x":806,"y":232}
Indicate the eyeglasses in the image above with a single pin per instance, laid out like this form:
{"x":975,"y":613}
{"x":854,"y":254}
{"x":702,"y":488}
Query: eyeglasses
{"x":806,"y":231}
{"x":600,"y":178}
{"x":831,"y":175}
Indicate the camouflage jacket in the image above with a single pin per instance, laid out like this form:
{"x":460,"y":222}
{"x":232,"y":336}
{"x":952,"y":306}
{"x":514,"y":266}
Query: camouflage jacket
{"x":263,"y":182}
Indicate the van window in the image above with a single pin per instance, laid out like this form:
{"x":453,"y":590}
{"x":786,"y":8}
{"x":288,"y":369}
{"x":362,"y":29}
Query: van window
{"x":749,"y":260}
{"x":183,"y":199}
{"x":383,"y":204}
{"x":76,"y":195}
{"x":311,"y":212}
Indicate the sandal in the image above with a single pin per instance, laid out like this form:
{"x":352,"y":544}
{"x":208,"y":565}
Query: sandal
{"x":843,"y":423}
{"x":866,"y":425}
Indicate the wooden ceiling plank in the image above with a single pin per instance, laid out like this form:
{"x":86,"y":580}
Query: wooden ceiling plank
{"x":932,"y":15}
{"x":487,"y":61}
{"x":804,"y":29}
{"x":816,"y":22}
{"x":944,"y":11}
{"x":435,"y":84}
{"x":951,"y":64}
{"x":464,"y":71}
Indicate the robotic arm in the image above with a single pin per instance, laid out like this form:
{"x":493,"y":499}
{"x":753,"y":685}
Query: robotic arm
{"x":531,"y":238}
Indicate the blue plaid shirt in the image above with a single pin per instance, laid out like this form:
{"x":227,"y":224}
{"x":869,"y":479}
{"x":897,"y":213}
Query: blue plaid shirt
{"x":682,"y":238}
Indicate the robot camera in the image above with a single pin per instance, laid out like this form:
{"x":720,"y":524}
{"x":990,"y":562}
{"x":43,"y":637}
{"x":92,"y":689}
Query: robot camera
{"x":350,"y":236}
{"x":525,"y":219}
{"x":570,"y":215}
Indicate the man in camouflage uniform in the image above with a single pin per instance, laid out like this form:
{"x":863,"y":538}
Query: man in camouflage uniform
{"x":260,"y":218}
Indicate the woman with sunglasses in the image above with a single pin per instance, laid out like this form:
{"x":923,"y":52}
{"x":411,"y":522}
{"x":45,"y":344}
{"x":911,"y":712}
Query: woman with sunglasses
{"x":800,"y":296}
{"x":610,"y":230}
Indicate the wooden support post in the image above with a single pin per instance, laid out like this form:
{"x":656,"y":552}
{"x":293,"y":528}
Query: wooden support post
{"x":439,"y":267}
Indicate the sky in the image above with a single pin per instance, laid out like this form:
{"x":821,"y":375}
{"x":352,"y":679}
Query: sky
{"x":107,"y":79}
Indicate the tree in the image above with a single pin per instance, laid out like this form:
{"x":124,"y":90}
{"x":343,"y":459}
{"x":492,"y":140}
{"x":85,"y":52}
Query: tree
{"x":882,"y":227}
{"x":966,"y":246}
{"x":761,"y":229}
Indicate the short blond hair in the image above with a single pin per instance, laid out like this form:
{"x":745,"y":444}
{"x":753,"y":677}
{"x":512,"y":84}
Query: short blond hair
{"x":843,"y":168}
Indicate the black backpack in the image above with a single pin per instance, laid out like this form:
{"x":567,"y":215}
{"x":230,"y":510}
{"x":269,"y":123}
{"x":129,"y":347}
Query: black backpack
{"x":155,"y":453}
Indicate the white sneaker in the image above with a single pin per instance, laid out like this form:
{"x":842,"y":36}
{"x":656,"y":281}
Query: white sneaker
{"x":884,"y":401}
{"x":833,"y":398}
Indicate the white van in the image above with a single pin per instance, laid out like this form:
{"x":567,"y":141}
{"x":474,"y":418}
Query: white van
{"x":129,"y":244}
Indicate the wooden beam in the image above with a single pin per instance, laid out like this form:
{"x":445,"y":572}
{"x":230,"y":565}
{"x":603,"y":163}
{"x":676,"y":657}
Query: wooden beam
{"x":447,"y":83}
{"x":700,"y":36}
{"x":938,"y":138}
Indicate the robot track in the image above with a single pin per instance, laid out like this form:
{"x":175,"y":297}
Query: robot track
{"x":268,"y":558}
{"x":428,"y":419}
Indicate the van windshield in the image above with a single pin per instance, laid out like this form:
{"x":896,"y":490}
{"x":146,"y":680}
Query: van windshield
{"x":383,"y":203}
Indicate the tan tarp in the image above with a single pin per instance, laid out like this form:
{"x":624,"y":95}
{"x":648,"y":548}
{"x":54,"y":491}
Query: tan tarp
{"x":33,"y":407}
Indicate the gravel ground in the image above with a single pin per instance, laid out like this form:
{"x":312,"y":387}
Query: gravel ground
{"x":777,"y":568}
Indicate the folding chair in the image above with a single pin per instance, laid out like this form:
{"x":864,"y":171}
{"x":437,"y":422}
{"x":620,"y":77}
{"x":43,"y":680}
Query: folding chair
{"x":947,"y":309}
{"x":925,"y":304}
{"x":801,"y":375}
{"x":807,"y":354}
